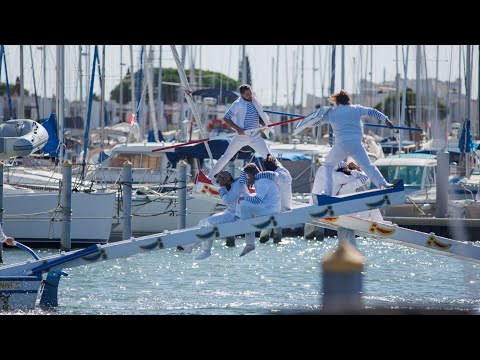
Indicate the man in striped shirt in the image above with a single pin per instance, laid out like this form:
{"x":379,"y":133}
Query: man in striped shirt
{"x":266,"y":201}
{"x":347,"y":126}
{"x":245,"y":114}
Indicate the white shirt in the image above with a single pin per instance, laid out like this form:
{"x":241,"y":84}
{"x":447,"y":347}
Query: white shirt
{"x":346,"y":121}
{"x":348,"y":183}
{"x":266,"y":190}
{"x":230,"y":197}
{"x":239,"y":110}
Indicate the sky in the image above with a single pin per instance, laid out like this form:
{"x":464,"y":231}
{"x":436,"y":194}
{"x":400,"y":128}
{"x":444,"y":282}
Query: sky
{"x":263,"y":58}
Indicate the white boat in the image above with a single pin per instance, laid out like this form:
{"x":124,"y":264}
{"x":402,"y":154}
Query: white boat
{"x":35,"y":217}
{"x":418,"y":171}
{"x":21,"y":137}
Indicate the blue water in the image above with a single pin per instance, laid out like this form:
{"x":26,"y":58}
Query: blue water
{"x":273,"y":278}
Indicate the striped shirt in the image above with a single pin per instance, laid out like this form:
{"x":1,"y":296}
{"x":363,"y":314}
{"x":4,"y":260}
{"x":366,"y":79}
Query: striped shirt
{"x":237,"y":189}
{"x":265,"y":192}
{"x":251,"y":116}
{"x":346,"y":121}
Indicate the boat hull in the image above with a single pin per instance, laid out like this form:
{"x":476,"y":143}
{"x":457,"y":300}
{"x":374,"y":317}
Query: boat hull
{"x":19,"y":292}
{"x":21,"y":137}
{"x":35,"y":217}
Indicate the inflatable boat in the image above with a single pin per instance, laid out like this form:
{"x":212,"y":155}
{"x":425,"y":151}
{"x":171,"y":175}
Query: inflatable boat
{"x":21,"y":137}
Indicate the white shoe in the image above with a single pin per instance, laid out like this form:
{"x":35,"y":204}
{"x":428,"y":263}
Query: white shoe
{"x":387,"y":186}
{"x":203,"y":255}
{"x":247,"y":249}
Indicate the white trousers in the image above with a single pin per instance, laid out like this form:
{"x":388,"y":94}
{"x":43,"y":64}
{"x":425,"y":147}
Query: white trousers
{"x":239,"y":141}
{"x":340,"y":152}
{"x":249,"y":209}
{"x":220,"y":218}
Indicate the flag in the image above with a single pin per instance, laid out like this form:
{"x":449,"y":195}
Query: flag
{"x":132,"y":119}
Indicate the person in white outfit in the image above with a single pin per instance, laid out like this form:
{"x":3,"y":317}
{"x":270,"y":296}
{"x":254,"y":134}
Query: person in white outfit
{"x":230,"y":190}
{"x":345,"y":120}
{"x":347,"y":179}
{"x":284,"y":183}
{"x":266,"y":201}
{"x":245,"y":114}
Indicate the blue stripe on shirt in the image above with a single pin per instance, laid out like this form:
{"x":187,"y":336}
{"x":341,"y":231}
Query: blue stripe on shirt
{"x":229,"y":114}
{"x":242,"y":179}
{"x":254,"y":199}
{"x":265,"y":175}
{"x":251,"y":117}
{"x":375,"y":114}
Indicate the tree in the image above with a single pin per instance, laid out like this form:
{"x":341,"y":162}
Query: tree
{"x":3,"y":89}
{"x":389,"y":105}
{"x":169,"y":92}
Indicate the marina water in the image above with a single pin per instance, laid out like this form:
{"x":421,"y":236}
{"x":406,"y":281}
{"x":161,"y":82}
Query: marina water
{"x":274,"y":278}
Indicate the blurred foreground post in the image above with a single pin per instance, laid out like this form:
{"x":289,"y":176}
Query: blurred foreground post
{"x":342,"y":279}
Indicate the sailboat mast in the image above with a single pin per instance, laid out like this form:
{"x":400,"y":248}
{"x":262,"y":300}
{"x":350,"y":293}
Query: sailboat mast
{"x":102,"y":103}
{"x":302,"y":76}
{"x":60,"y":52}
{"x":188,"y":95}
{"x":44,"y":65}
{"x":276,"y":79}
{"x":80,"y":78}
{"x":151,"y":101}
{"x":132,"y":81}
{"x":21,"y":112}
{"x":244,"y":66}
{"x":161,"y":118}
{"x":120,"y":112}
{"x":418,"y":98}
{"x":372,"y":99}
{"x":436,"y":86}
{"x":34,"y":84}
{"x":332,"y":89}
{"x":404,"y":97}
{"x":397,"y":88}
{"x":342,"y":78}
{"x":468,"y":78}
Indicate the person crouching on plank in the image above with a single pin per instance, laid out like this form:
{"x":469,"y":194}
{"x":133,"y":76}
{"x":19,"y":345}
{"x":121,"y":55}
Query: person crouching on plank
{"x":230,"y":190}
{"x":266,"y":201}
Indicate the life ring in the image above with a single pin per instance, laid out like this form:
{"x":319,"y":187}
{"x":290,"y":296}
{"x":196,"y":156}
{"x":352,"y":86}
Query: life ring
{"x":217,"y":124}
